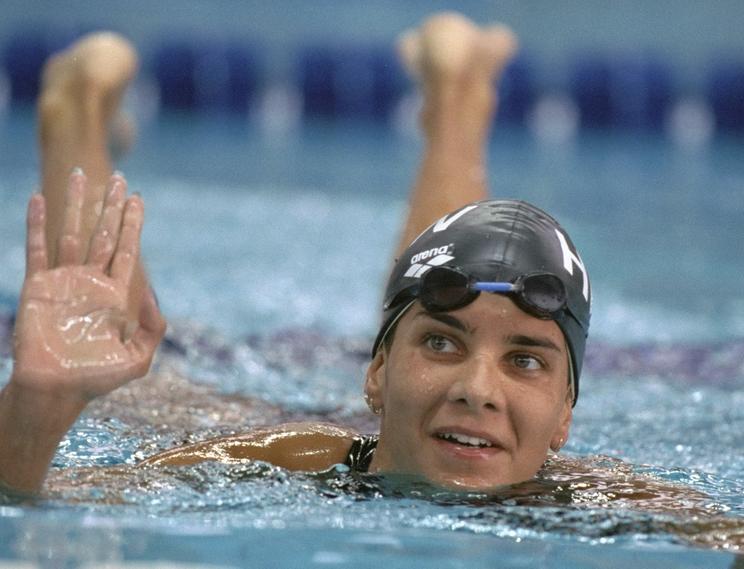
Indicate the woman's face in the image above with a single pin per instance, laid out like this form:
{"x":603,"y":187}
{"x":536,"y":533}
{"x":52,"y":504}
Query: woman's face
{"x":471,"y":398}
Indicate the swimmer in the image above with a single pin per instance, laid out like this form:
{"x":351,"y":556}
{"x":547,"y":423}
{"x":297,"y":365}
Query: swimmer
{"x":472,"y":390}
{"x":476,"y":367}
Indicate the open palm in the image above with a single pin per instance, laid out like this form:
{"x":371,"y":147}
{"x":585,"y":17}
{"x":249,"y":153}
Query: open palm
{"x":71,"y":333}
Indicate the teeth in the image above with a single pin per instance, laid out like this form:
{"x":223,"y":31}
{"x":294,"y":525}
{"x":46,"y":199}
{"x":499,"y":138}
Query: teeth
{"x":465,"y":440}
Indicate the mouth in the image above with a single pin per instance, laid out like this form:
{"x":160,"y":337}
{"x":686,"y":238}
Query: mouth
{"x":464,"y":440}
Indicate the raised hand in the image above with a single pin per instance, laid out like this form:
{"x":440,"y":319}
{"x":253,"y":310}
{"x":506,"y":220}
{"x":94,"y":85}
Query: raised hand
{"x":71,"y":335}
{"x":72,"y":339}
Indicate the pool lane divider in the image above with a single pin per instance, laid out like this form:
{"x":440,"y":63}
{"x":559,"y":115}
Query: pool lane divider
{"x":632,"y":91}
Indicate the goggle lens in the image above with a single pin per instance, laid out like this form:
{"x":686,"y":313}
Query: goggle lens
{"x":444,"y":289}
{"x":544,"y":292}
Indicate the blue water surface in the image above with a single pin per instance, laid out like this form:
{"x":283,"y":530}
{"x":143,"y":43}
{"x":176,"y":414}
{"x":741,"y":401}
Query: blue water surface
{"x":268,"y":253}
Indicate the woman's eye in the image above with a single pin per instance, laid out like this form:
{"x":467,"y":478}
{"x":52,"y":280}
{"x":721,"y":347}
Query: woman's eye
{"x":440,"y":344}
{"x":523,"y":361}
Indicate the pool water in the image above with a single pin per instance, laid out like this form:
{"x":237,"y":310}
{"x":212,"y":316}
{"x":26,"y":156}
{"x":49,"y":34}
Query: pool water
{"x":268,"y":252}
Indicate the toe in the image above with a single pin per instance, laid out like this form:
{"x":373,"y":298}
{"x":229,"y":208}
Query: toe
{"x":409,"y":51}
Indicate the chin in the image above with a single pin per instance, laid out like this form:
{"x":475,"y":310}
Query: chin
{"x":471,"y":482}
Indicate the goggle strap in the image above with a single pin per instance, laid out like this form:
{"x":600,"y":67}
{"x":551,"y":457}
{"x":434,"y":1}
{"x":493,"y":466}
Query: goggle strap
{"x":495,"y":287}
{"x":391,"y":325}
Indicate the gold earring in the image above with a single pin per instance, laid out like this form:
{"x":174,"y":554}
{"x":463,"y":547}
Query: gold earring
{"x":559,"y":446}
{"x":372,"y":407}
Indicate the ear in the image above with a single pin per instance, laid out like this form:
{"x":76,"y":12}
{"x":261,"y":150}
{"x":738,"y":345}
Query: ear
{"x":560,"y":436}
{"x":374,"y":381}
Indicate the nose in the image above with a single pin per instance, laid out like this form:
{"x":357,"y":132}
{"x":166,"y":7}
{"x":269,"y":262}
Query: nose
{"x":479,"y":385}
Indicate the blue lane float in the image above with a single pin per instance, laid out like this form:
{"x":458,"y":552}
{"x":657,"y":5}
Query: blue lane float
{"x":517,"y":91}
{"x":643,"y":89}
{"x":23,"y":58}
{"x":591,"y":90}
{"x":220,"y":76}
{"x":633,"y":92}
{"x":627,"y":91}
{"x":175,"y":63}
{"x":350,"y":81}
{"x":726,"y":94}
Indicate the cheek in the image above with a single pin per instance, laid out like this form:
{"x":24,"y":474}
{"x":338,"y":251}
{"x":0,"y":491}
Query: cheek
{"x":542,"y":419}
{"x":409,"y":384}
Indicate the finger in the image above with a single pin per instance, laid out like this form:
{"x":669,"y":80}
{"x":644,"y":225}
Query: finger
{"x":106,"y":234}
{"x":143,"y":343}
{"x":36,"y":250}
{"x":128,"y":247}
{"x":69,"y":243}
{"x":150,"y":317}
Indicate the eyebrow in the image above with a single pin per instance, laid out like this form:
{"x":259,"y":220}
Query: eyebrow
{"x":447,"y":320}
{"x":532,"y":341}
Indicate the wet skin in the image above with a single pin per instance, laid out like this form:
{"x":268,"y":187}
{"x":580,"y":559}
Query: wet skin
{"x":487,"y":371}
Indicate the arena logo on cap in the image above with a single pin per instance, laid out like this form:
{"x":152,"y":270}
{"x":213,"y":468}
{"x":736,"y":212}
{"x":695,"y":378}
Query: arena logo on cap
{"x":434,"y":257}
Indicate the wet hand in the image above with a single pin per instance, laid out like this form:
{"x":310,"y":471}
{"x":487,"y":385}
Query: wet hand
{"x":72,"y":336}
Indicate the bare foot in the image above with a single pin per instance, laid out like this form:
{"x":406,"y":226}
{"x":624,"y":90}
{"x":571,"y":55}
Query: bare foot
{"x":79,"y":102}
{"x":83,"y":85}
{"x":122,"y":134}
{"x":457,"y":62}
{"x":449,"y":47}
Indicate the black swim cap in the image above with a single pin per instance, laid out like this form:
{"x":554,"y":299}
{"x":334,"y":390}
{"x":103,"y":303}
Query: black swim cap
{"x":497,"y":240}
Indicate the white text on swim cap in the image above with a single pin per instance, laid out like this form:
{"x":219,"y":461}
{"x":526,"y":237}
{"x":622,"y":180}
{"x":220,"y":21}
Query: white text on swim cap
{"x":439,"y":256}
{"x":445,"y":222}
{"x":423,"y":255}
{"x":570,"y":259}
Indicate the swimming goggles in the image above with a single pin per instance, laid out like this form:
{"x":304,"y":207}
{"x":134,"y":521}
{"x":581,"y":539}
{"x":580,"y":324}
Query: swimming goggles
{"x":442,"y":289}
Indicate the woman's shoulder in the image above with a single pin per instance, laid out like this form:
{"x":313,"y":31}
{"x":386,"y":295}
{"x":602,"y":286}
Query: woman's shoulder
{"x":295,"y":446}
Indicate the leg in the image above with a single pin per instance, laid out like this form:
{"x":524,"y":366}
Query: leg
{"x":456,"y":64}
{"x":78,"y":106}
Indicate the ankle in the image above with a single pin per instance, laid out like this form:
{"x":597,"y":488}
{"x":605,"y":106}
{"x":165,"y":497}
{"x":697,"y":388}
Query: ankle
{"x":467,"y":109}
